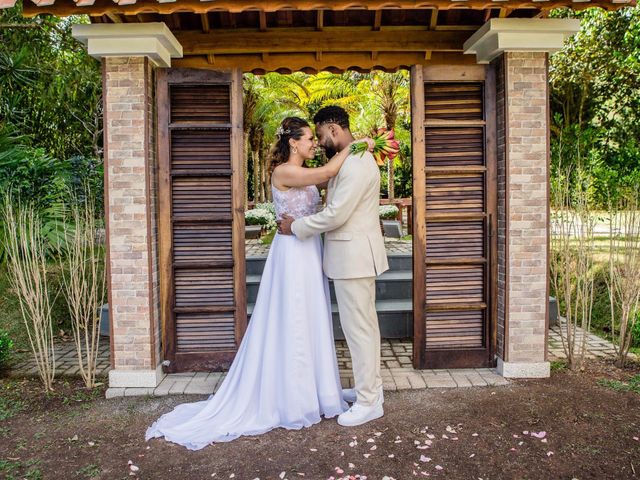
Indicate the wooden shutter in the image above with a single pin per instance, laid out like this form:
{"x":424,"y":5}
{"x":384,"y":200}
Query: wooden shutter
{"x":454,"y":195}
{"x":201,"y":220}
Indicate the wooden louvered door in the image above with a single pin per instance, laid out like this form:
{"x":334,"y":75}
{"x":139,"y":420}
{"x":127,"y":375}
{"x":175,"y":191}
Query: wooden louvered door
{"x":454,"y":214}
{"x":201,"y":220}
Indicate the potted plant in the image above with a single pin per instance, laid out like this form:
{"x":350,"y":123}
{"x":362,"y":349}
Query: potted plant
{"x":258,"y":220}
{"x":390,"y":226}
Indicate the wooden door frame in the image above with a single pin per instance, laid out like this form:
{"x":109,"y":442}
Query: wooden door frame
{"x":164,"y":78}
{"x":460,"y":74}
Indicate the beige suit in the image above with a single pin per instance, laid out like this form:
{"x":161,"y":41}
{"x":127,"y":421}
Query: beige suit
{"x":354,"y":254}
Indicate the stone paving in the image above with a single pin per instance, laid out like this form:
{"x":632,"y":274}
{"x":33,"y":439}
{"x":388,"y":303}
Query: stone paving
{"x":397,"y":371}
{"x":66,"y":361}
{"x":255,"y":248}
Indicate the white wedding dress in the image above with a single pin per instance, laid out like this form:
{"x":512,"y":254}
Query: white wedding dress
{"x":285,"y":373}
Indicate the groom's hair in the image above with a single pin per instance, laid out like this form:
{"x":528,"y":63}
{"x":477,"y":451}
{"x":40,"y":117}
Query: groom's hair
{"x":332,"y":114}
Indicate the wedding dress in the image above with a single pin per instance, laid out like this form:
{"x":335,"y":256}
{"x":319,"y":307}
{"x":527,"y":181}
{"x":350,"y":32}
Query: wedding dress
{"x":285,"y":373}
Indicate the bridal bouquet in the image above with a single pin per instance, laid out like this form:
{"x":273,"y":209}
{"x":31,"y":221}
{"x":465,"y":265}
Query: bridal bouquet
{"x":386,"y":146}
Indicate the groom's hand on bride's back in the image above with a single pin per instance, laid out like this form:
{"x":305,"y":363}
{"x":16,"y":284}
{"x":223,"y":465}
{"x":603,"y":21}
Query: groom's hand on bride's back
{"x":284,"y":225}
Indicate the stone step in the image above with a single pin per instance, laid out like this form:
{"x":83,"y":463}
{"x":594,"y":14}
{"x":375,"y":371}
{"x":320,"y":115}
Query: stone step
{"x":395,"y":318}
{"x":391,"y":285}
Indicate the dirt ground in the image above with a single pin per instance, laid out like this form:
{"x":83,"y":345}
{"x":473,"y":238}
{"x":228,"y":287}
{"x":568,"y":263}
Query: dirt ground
{"x":565,"y":427}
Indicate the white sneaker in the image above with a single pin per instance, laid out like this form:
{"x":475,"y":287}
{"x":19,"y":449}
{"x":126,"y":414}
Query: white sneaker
{"x":350,"y":395}
{"x":358,"y":415}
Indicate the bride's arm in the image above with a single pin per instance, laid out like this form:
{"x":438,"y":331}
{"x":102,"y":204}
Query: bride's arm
{"x":293,"y":176}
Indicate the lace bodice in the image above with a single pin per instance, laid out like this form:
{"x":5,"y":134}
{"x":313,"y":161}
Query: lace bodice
{"x":296,"y":202}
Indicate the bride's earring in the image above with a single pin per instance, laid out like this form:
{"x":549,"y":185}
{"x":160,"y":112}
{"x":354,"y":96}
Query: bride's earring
{"x":294,"y":150}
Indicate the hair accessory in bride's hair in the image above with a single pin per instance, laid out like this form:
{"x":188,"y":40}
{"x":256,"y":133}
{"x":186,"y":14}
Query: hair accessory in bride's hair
{"x":281,"y":131}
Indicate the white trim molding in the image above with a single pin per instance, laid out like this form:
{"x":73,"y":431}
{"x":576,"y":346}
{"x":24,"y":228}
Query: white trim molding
{"x":153,"y":40}
{"x":500,"y":35}
{"x":524,"y":369}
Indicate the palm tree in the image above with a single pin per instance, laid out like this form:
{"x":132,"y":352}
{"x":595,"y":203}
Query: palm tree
{"x":390,"y":92}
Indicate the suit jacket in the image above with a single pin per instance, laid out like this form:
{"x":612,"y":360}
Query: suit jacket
{"x":354,"y":247}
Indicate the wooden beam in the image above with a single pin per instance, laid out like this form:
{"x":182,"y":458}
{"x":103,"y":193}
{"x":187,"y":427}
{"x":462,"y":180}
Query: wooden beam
{"x":377,"y":20}
{"x":342,"y":40}
{"x":211,"y":59}
{"x":263,"y":21}
{"x":433,"y":21}
{"x":204,"y":19}
{"x":63,"y":8}
{"x":320,"y":20}
{"x":114,"y":17}
{"x":293,"y":62}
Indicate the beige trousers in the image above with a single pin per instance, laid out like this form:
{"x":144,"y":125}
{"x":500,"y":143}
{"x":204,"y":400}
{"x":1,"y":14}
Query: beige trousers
{"x":357,"y":306}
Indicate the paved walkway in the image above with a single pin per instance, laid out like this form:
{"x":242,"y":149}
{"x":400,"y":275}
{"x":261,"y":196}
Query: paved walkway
{"x":397,"y":370}
{"x":255,"y":248}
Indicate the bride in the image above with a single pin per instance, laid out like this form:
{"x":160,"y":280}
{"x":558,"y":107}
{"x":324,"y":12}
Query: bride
{"x":285,"y":373}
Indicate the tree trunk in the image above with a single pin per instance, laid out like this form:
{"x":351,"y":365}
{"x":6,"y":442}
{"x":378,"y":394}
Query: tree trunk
{"x":245,"y":170}
{"x":255,"y":155}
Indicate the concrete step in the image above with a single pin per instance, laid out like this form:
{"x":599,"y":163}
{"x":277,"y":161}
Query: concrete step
{"x":397,"y":261}
{"x":395,"y":318}
{"x":391,"y":285}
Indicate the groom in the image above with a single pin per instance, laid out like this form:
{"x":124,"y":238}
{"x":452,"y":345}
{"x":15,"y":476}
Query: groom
{"x":354,"y":254}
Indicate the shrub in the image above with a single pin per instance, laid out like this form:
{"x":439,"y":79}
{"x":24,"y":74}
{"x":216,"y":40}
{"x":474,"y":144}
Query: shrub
{"x":5,"y":347}
{"x":260,"y":216}
{"x":388,"y":212}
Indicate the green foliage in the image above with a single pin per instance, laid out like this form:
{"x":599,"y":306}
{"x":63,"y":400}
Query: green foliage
{"x":595,"y":99}
{"x":373,"y":100}
{"x":6,"y":344}
{"x":633,"y":385}
{"x":50,"y":88}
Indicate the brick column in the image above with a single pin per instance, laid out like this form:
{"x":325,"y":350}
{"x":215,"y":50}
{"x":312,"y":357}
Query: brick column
{"x":526,"y":215}
{"x":519,"y":51}
{"x":131,"y":228}
{"x":130,"y":53}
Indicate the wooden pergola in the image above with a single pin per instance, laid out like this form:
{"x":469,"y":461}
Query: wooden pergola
{"x":172,"y":75}
{"x":300,"y":35}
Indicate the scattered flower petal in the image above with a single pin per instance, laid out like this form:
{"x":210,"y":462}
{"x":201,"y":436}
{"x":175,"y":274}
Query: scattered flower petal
{"x":438,"y":467}
{"x":282,"y":474}
{"x":539,"y":434}
{"x":549,"y":454}
{"x":374,"y":447}
{"x":424,"y":459}
{"x":474,"y":434}
{"x":450,"y":429}
{"x":366,"y":455}
{"x":472,"y":455}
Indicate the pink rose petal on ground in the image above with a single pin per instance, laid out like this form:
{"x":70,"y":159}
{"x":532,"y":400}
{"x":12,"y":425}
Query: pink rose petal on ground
{"x":391,"y":456}
{"x":474,"y":434}
{"x":539,"y":434}
{"x":472,"y":455}
{"x":366,"y":455}
{"x":636,"y":438}
{"x":374,"y":447}
{"x":425,"y":474}
{"x":544,"y":440}
{"x":282,"y":474}
{"x":422,"y":447}
{"x":450,"y":429}
{"x":431,"y":436}
{"x":525,"y":432}
{"x":520,"y":443}
{"x":370,"y":440}
{"x":353,"y":444}
{"x":416,"y":442}
{"x":516,"y":436}
{"x":313,"y":449}
{"x":444,"y":436}
{"x":438,"y":467}
{"x":424,"y":459}
{"x":377,"y":434}
{"x":339,"y":471}
{"x":513,"y":450}
{"x":351,"y":465}
{"x":549,"y":454}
